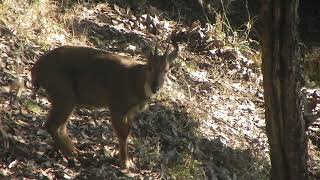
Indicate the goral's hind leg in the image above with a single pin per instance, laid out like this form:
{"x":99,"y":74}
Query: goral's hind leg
{"x":62,"y":97}
{"x":56,"y":125}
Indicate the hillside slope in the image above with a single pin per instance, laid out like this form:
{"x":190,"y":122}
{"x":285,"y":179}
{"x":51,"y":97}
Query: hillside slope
{"x":206,"y":123}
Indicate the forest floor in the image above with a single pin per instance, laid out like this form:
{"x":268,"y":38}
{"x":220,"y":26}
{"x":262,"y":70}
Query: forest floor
{"x":206,"y":123}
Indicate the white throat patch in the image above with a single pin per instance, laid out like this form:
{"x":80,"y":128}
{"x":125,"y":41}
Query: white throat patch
{"x":147,"y":90}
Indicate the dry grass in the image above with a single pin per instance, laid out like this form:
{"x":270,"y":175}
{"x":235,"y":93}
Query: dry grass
{"x":39,"y":23}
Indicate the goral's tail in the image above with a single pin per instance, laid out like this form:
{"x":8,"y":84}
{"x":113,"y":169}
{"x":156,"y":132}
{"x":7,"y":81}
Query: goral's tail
{"x":34,"y":81}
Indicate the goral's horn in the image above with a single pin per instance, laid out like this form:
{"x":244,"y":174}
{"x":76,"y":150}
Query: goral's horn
{"x":166,"y":53}
{"x":156,"y":49}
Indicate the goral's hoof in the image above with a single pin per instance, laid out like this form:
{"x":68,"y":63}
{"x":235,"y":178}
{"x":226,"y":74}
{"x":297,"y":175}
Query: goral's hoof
{"x":67,"y":148}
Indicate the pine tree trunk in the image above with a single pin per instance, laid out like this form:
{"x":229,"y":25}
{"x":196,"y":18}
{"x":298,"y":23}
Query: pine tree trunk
{"x":281,"y":71}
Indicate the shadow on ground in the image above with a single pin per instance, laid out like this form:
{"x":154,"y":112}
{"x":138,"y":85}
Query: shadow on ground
{"x":165,"y":143}
{"x":187,"y":11}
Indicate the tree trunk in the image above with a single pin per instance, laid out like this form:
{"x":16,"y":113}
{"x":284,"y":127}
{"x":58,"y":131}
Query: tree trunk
{"x":283,"y":108}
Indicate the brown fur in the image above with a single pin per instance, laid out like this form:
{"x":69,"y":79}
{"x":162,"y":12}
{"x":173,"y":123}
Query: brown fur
{"x":75,"y":76}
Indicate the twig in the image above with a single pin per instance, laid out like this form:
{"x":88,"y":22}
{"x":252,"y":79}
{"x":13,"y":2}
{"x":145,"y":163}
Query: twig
{"x":188,"y":86}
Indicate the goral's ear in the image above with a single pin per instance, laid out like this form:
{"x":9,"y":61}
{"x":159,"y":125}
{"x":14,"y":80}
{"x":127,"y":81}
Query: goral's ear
{"x":147,"y":51}
{"x":174,"y":54}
